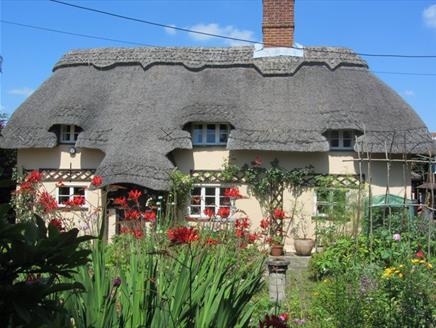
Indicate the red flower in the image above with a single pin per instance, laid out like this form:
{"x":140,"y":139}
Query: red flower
{"x":239,"y":233}
{"x":182,"y":235}
{"x":47,"y":202}
{"x":150,"y":216}
{"x":138,"y":233}
{"x":26,"y":187}
{"x":209,"y":212}
{"x":420,"y":253}
{"x":284,"y":316}
{"x":264,"y":224}
{"x":243,"y":223}
{"x":132,"y":215}
{"x":97,"y":181}
{"x":124,"y":230}
{"x":224,"y":212}
{"x":75,"y":201}
{"x":57,"y":224}
{"x":252,"y":237}
{"x":134,"y":195}
{"x":34,"y":177}
{"x":232,"y":193}
{"x":211,"y":241}
{"x":121,"y":201}
{"x":279,"y":214}
{"x":273,"y":321}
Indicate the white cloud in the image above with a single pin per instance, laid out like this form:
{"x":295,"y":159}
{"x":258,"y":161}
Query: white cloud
{"x":25,"y":91}
{"x":409,"y":93}
{"x":228,"y":31}
{"x":429,"y":16}
{"x":170,"y":30}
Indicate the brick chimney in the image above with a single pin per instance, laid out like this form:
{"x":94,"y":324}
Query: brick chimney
{"x":278,"y":23}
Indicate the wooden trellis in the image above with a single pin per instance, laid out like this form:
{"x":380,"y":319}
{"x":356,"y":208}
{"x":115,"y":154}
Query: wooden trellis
{"x":54,"y":175}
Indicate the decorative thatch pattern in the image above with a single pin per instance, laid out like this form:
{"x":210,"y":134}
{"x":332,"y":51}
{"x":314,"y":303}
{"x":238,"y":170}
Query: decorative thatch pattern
{"x":133,"y":104}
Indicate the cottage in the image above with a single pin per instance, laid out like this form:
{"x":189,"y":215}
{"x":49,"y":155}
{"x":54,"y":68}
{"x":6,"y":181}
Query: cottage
{"x":132,"y":115}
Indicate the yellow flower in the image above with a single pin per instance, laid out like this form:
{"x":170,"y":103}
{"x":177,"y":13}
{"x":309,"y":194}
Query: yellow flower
{"x":387,"y":273}
{"x":400,"y":275}
{"x":421,"y":262}
{"x":415,"y":261}
{"x":401,"y":266}
{"x":429,"y":266}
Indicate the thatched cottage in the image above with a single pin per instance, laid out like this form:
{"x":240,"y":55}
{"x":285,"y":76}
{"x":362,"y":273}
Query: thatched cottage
{"x":131,"y":115}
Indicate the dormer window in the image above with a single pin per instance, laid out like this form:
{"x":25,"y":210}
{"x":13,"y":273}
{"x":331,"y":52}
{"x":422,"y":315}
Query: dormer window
{"x":69,"y":134}
{"x":341,"y":139}
{"x":210,"y":134}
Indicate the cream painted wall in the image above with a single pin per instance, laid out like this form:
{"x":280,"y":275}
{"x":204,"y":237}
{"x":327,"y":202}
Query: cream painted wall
{"x":213,"y":158}
{"x":58,"y":158}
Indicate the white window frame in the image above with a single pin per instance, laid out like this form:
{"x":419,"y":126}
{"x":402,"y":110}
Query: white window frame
{"x":71,"y":131}
{"x":203,"y":199}
{"x":204,"y":134}
{"x":327,"y":204}
{"x":341,"y":140}
{"x":71,"y":194}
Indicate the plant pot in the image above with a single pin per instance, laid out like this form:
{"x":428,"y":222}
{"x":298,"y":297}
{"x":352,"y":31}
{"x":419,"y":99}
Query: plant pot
{"x":303,"y":247}
{"x":277,"y":250}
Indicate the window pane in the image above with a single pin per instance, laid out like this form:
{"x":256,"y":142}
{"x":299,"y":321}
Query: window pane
{"x":210,"y":191}
{"x":224,"y":133}
{"x":210,"y":133}
{"x":63,"y":199}
{"x":195,"y":210}
{"x":198,"y":134}
{"x":334,"y":134}
{"x":334,"y":143}
{"x":322,"y":209}
{"x":347,"y":134}
{"x":64,"y":191}
{"x":210,"y":201}
{"x":348,"y":143}
{"x":79,"y":191}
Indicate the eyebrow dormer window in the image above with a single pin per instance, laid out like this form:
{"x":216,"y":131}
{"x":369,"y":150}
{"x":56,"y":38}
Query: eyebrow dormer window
{"x":69,"y":134}
{"x":341,"y":139}
{"x":208,"y":134}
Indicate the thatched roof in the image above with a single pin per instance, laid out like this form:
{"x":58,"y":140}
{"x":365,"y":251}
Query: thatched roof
{"x":132,"y":103}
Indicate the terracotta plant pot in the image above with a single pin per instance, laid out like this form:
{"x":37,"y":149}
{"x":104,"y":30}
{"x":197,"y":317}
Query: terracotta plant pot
{"x":277,"y":250}
{"x":303,"y":247}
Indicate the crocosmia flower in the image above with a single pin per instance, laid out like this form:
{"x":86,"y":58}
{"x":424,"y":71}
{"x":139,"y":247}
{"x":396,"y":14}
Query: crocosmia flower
{"x":279,"y":214}
{"x":150,"y":216}
{"x":182,"y":235}
{"x":97,"y":181}
{"x":57,"y":224}
{"x":134,"y":195}
{"x":232,"y":193}
{"x":34,"y":177}
{"x":209,"y":212}
{"x":224,"y":212}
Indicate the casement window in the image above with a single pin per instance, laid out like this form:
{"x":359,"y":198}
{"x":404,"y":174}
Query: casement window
{"x":66,"y":193}
{"x":341,"y":139}
{"x":207,"y":196}
{"x":69,"y":134}
{"x":209,"y":134}
{"x":329,"y":202}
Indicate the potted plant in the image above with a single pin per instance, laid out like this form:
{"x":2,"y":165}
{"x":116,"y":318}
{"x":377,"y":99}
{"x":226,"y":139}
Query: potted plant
{"x":302,"y":244}
{"x":272,"y":229}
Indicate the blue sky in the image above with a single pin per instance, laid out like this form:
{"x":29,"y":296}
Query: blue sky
{"x":370,"y":26}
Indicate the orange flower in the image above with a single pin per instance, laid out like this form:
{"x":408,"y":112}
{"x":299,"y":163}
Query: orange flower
{"x":211,"y":241}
